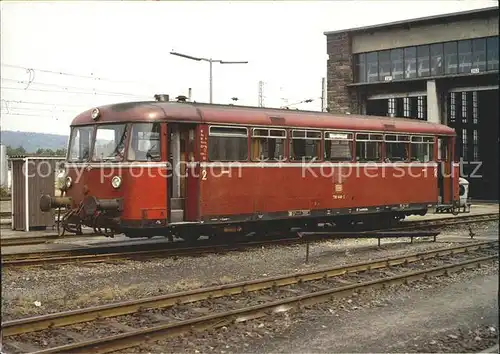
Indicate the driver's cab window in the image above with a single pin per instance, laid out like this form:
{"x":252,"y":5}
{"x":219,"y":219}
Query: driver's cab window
{"x":144,"y":143}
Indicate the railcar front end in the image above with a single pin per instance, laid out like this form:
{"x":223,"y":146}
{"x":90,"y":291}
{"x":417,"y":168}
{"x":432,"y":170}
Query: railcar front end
{"x":114,"y":179}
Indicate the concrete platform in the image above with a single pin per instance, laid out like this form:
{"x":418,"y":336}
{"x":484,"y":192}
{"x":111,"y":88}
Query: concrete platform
{"x":476,"y":209}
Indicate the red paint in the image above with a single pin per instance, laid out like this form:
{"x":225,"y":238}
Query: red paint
{"x":137,"y":192}
{"x":258,"y":190}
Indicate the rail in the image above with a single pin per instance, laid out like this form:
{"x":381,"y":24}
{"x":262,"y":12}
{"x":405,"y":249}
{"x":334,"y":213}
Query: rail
{"x":134,"y":337}
{"x":150,"y":250}
{"x":406,"y":225}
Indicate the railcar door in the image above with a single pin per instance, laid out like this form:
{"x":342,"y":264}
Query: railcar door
{"x":182,"y":154}
{"x":445,"y":173}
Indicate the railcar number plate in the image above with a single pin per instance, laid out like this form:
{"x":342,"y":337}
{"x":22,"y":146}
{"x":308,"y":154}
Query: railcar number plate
{"x":299,"y":212}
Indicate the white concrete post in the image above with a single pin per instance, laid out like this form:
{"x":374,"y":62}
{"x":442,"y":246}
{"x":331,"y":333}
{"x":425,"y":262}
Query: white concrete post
{"x":433,"y":110}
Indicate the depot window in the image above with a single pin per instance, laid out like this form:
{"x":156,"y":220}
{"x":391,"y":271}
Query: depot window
{"x":268,"y":145}
{"x":396,"y":148}
{"x":465,"y":56}
{"x":144,"y":142}
{"x":384,"y":65}
{"x":492,"y":53}
{"x":372,"y":67}
{"x":423,"y":56}
{"x":450,"y":58}
{"x":80,"y":143}
{"x":110,"y":142}
{"x":410,"y":54}
{"x":436,"y":52}
{"x":397,"y":64}
{"x":228,"y":144}
{"x":338,"y":146}
{"x":360,"y":73}
{"x":422,"y":148}
{"x":479,"y":54}
{"x":305,"y":145}
{"x":369,"y":147}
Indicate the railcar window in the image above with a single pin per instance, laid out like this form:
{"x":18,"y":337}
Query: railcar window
{"x":144,"y":142}
{"x":110,"y":142}
{"x":305,"y":145}
{"x":368,"y":147}
{"x":80,"y":143}
{"x":338,"y":146}
{"x":268,"y":144}
{"x":228,"y":144}
{"x":397,"y":148}
{"x":422,"y":148}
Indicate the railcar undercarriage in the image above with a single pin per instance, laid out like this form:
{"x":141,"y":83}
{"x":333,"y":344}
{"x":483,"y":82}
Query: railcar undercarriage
{"x":102,"y":215}
{"x":236,"y":231}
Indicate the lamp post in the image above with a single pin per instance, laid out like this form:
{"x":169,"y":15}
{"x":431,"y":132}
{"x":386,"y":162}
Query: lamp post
{"x":210,"y":61}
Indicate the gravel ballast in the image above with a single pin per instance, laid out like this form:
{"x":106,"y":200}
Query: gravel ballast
{"x":453,"y":314}
{"x":54,"y":288}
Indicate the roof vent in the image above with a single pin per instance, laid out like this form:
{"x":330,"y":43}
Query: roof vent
{"x":162,"y":98}
{"x":181,"y":98}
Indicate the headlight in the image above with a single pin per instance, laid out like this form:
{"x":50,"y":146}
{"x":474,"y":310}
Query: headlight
{"x":69,"y":182}
{"x":116,"y":182}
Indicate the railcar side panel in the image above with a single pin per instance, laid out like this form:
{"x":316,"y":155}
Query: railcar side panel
{"x":242,"y":192}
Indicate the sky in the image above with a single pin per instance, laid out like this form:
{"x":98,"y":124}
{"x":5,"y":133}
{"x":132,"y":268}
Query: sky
{"x":61,"y":58}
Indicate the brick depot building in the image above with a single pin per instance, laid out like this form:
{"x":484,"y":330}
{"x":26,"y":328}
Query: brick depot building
{"x":441,"y":69}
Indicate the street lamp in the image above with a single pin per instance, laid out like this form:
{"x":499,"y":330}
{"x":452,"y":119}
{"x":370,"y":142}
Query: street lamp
{"x":210,"y":61}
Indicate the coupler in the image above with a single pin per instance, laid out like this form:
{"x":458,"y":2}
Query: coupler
{"x":48,"y":202}
{"x":103,"y":215}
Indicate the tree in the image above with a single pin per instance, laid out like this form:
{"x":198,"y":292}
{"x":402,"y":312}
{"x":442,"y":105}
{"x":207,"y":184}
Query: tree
{"x":50,"y":152}
{"x":15,"y":151}
{"x":60,"y":152}
{"x":41,"y":151}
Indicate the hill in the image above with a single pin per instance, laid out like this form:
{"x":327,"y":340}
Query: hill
{"x":33,"y":141}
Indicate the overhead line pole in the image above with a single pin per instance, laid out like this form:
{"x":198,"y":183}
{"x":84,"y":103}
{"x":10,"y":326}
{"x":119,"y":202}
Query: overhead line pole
{"x":210,"y":61}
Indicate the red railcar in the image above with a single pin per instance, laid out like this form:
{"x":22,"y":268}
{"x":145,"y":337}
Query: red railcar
{"x":182,"y":168}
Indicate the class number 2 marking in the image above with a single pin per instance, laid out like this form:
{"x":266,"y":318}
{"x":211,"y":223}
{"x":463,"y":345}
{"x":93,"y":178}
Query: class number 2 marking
{"x":203,"y":175}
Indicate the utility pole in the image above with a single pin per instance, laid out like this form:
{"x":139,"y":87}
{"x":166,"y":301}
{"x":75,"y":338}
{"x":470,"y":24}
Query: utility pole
{"x":261,"y":93}
{"x":323,"y":89}
{"x":210,"y":61}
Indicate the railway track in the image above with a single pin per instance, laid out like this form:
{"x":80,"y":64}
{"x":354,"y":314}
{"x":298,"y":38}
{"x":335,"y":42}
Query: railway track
{"x":127,"y":324}
{"x":68,"y":256}
{"x":37,"y":240}
{"x":407,"y":225}
{"x":114,"y":253}
{"x":154,"y":250}
{"x":448,"y":221}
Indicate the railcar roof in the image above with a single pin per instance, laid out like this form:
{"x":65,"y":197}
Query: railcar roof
{"x":246,"y":115}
